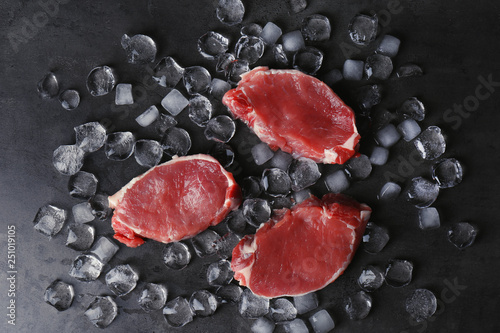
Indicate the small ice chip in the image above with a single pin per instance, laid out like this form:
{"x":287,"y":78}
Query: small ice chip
{"x":82,"y":185}
{"x":375,"y":238}
{"x":379,"y":155}
{"x":124,"y":94}
{"x":176,"y":255}
{"x":249,"y":48}
{"x":219,"y":273}
{"x":218,"y":88}
{"x":371,"y":278}
{"x":102,"y":311}
{"x":70,"y":99}
{"x":176,"y":141}
{"x":447,"y":173}
{"x":428,"y":218}
{"x":256,"y":211}
{"x":60,"y":295}
{"x":148,"y":153}
{"x":252,"y":306}
{"x":49,"y":220}
{"x":408,"y":70}
{"x":80,"y":237}
{"x":48,"y":87}
{"x":387,"y":136}
{"x":230,"y":293}
{"x":412,"y":108}
{"x":203,"y":303}
{"x":122,"y":279}
{"x":276,"y":182}
{"x":203,"y":243}
{"x":378,"y":66}
{"x":90,"y":137}
{"x":422,"y":192}
{"x":358,"y":305}
{"x":303,"y":172}
{"x":399,"y":272}
{"x":177,"y":312}
{"x":168,"y":72}
{"x":82,"y":213}
{"x":235,"y":69}
{"x":305,"y":303}
{"x":212,"y":44}
{"x":462,"y":234}
{"x":101,"y":81}
{"x":148,"y":117}
{"x":363,"y":29}
{"x":337,"y":181}
{"x":261,"y":153}
{"x":322,"y":322}
{"x":389,"y":46}
{"x":140,"y":49}
{"x":390,"y":191}
{"x":220,"y":129}
{"x":297,"y":5}
{"x":282,"y":309}
{"x":251,"y":29}
{"x":359,"y":167}
{"x":230,"y":12}
{"x":281,"y":160}
{"x":316,"y":28}
{"x":86,"y":267}
{"x":308,"y":60}
{"x":104,"y":249}
{"x":119,"y":146}
{"x":353,"y":70}
{"x":409,"y":129}
{"x":174,"y":102}
{"x":421,"y":304}
{"x":196,"y":80}
{"x":270,"y":33}
{"x":68,"y":159}
{"x":293,"y":41}
{"x":153,"y":296}
{"x":262,"y":325}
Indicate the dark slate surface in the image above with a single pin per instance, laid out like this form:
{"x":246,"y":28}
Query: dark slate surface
{"x":456,"y":42}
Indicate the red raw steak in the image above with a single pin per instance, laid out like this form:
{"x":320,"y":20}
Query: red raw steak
{"x":295,"y":112}
{"x":303,"y":249}
{"x":174,"y":201}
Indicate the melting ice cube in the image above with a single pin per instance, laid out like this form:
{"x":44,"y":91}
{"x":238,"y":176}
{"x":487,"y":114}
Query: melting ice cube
{"x":212,"y":44}
{"x":174,"y":102}
{"x":176,"y":141}
{"x":371,"y":278}
{"x":203,"y":303}
{"x":253,"y":306}
{"x":86,"y":267}
{"x":251,"y":187}
{"x":276,"y":182}
{"x":203,"y":243}
{"x":229,"y":293}
{"x":462,"y":234}
{"x":358,"y":305}
{"x":168,"y":72}
{"x":251,"y":29}
{"x":223,"y":153}
{"x":59,"y":294}
{"x":177,"y":312}
{"x":308,"y":60}
{"x":82,"y":213}
{"x":359,"y":168}
{"x":378,"y":66}
{"x":68,"y":159}
{"x":104,"y":249}
{"x":297,"y":5}
{"x":363,"y":29}
{"x":399,"y":272}
{"x":153,"y":296}
{"x":387,"y":136}
{"x":412,"y":108}
{"x":48,"y":86}
{"x":218,"y":88}
{"x":236,"y":222}
{"x":282,"y":309}
{"x":220,"y":129}
{"x":219,"y":273}
{"x":230,"y":12}
{"x":295,"y":326}
{"x":249,"y":48}
{"x":390,"y":191}
{"x":196,"y":79}
{"x":421,"y":304}
{"x":82,"y":185}
{"x":140,"y":49}
{"x":90,"y":137}
{"x":122,"y":279}
{"x":148,"y":153}
{"x":303,"y":172}
{"x":261,"y":153}
{"x":262,"y":325}
{"x":163,"y":123}
{"x":375,"y":238}
{"x":49,"y":220}
{"x":447,"y":173}
{"x":102,"y":311}
{"x":256,"y":211}
{"x":235,"y":69}
{"x":70,"y":99}
{"x":408,"y":70}
{"x":422,"y":192}
{"x":316,"y":28}
{"x":176,"y":255}
{"x":80,"y":237}
{"x":101,"y":81}
{"x":119,"y":146}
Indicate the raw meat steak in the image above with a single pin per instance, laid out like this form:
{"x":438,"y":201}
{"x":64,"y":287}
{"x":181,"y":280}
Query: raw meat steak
{"x":295,"y":112}
{"x":303,"y":248}
{"x":174,"y":201}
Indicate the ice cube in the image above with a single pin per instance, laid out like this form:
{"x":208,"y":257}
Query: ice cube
{"x":270,"y":33}
{"x":295,"y":326}
{"x":306,"y":302}
{"x":262,"y":325}
{"x":235,"y":69}
{"x":148,"y":117}
{"x":212,"y":44}
{"x":353,"y":70}
{"x":332,"y":77}
{"x":251,"y":29}
{"x":358,"y":305}
{"x":447,"y":173}
{"x":119,"y":146}
{"x":49,"y":220}
{"x":219,"y":273}
{"x":90,"y":137}
{"x":412,"y":108}
{"x":176,"y":141}
{"x":223,"y":62}
{"x":249,"y":48}
{"x":80,"y":237}
{"x":409,"y":129}
{"x":48,"y":87}
{"x":122,"y":279}
{"x":230,"y":12}
{"x":176,"y":255}
{"x":316,"y":28}
{"x":428,"y":218}
{"x":308,"y":60}
{"x":251,"y":187}
{"x":378,"y":66}
{"x":399,"y":272}
{"x":303,"y":172}
{"x":68,"y":159}
{"x":462,"y":234}
{"x":203,"y":243}
{"x":140,"y":49}
{"x":82,"y":213}
{"x":379,"y":155}
{"x":252,"y":306}
{"x":363,"y":29}
{"x":367,"y":97}
{"x":196,"y":80}
{"x":220,"y":129}
{"x":279,"y":55}
{"x":59,"y":294}
{"x":86,"y":267}
{"x":359,"y":167}
{"x":101,"y":81}
{"x":203,"y":303}
{"x":390,"y":191}
{"x":102,"y":311}
{"x":163,"y":123}
{"x":421,"y":304}
{"x":281,"y":160}
{"x":322,"y":322}
{"x":218,"y":88}
{"x":389,"y":46}
{"x":381,"y":117}
{"x":387,"y":136}
{"x":174,"y":102}
{"x":375,"y":238}
{"x":337,"y":181}
{"x":104,"y":249}
{"x":236,"y":222}
{"x":230,"y":293}
{"x":408,"y":70}
{"x":371,"y":278}
{"x":70,"y":99}
{"x":293,"y":41}
{"x":297,"y":5}
{"x":177,"y":312}
{"x":256,"y":211}
{"x":422,"y":192}
{"x":276,"y":182}
{"x":281,"y":202}
{"x":282,"y":309}
{"x":261,"y":153}
{"x":148,"y":153}
{"x":152,"y":297}
{"x":223,"y":153}
{"x":168,"y":72}
{"x":100,"y":206}
{"x":225,"y":245}
{"x":124,"y":94}
{"x":82,"y":185}
{"x":301,"y":195}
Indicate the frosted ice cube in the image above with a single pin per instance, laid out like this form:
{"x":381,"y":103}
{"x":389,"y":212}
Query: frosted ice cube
{"x":279,"y":55}
{"x":399,"y":272}
{"x":447,"y":173}
{"x":68,"y":159}
{"x":428,"y":218}
{"x":174,"y":102}
{"x":176,"y":255}
{"x":163,"y":123}
{"x":220,"y":129}
{"x":337,"y":181}
{"x":104,"y":249}
{"x":303,"y":172}
{"x":236,"y":222}
{"x":48,"y":87}
{"x":332,"y":77}
{"x":316,"y":28}
{"x":387,"y":136}
{"x":408,"y":70}
{"x":421,"y":304}
{"x":308,"y":60}
{"x":49,"y":220}
{"x":378,"y":66}
{"x":293,"y":41}
{"x":251,"y":187}
{"x":322,"y":322}
{"x":196,"y":79}
{"x":282,"y":309}
{"x":212,"y":44}
{"x":148,"y":153}
{"x":297,"y":5}
{"x":119,"y":146}
{"x":168,"y":72}
{"x":295,"y":326}
{"x":462,"y":234}
{"x":86,"y":267}
{"x":122,"y":279}
{"x":235,"y":69}
{"x":60,"y":295}
{"x":379,"y":155}
{"x":251,"y":29}
{"x":82,"y":213}
{"x":219,"y":273}
{"x":90,"y":137}
{"x":412,"y":108}
{"x":203,"y":243}
{"x":305,"y":303}
{"x":281,"y":160}
{"x":262,"y":325}
{"x":359,"y":167}
{"x":422,"y":192}
{"x":390,"y":191}
{"x":140,"y":49}
{"x":252,"y":306}
{"x":249,"y":48}
{"x":261,"y":153}
{"x":375,"y":238}
{"x":223,"y":62}
{"x":367,"y":97}
{"x":256,"y":211}
{"x":80,"y":237}
{"x":148,"y":117}
{"x":70,"y":99}
{"x":363,"y":29}
{"x":124,"y":94}
{"x":176,"y":141}
{"x":102,"y":311}
{"x":203,"y":303}
{"x":353,"y":70}
{"x":222,"y":153}
{"x":152,"y":297}
{"x":389,"y":46}
{"x":230,"y":293}
{"x":101,"y":81}
{"x":218,"y":88}
{"x":270,"y":33}
{"x":82,"y":185}
{"x":301,"y":195}
{"x":358,"y":305}
{"x":276,"y":182}
{"x":409,"y":129}
{"x":230,"y":12}
{"x":177,"y":312}
{"x":371,"y":278}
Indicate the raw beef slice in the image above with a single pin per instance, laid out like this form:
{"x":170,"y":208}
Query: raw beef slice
{"x":302,"y":249}
{"x":174,"y":201}
{"x":295,"y":112}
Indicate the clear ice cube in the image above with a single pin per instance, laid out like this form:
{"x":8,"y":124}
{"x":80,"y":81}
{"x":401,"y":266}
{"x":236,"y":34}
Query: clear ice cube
{"x":176,"y":141}
{"x":358,"y":305}
{"x":230,"y":12}
{"x":387,"y":136}
{"x":363,"y":29}
{"x":371,"y":278}
{"x":90,"y":136}
{"x":148,"y":117}
{"x":409,"y":129}
{"x":378,"y":66}
{"x":262,"y":325}
{"x":322,"y":322}
{"x":235,"y":69}
{"x":230,"y":293}
{"x":301,"y":195}
{"x":428,"y":218}
{"x":236,"y":222}
{"x":86,"y":267}
{"x":152,"y":296}
{"x":279,"y":55}
{"x":389,"y":46}
{"x":281,"y":309}
{"x":122,"y":279}
{"x":212,"y":44}
{"x":49,"y":220}
{"x":102,"y":311}
{"x":68,"y":159}
{"x":337,"y":181}
{"x":276,"y":182}
{"x":256,"y":211}
{"x":203,"y":243}
{"x":196,"y":79}
{"x":297,"y":5}
{"x":379,"y":155}
{"x":80,"y":237}
{"x":367,"y":97}
{"x":306,"y":303}
{"x":218,"y":88}
{"x":252,"y":306}
{"x":163,"y":123}
{"x":223,"y":62}
{"x":295,"y":326}
{"x":176,"y":255}
{"x":422,"y":192}
{"x":123,"y":94}
{"x":219,"y":273}
{"x":375,"y":238}
{"x":359,"y":167}
{"x":308,"y":60}
{"x":220,"y":128}
{"x":140,"y":49}
{"x":303,"y":172}
{"x":60,"y":295}
{"x":203,"y":303}
{"x":148,"y":153}
{"x":390,"y":191}
{"x":293,"y":41}
{"x":104,"y":249}
{"x":447,"y":172}
{"x":353,"y":70}
{"x":174,"y":102}
{"x":249,"y":48}
{"x":251,"y":29}
{"x":119,"y":146}
{"x":281,"y":160}
{"x":83,"y":213}
{"x":168,"y":72}
{"x":412,"y":108}
{"x":261,"y":153}
{"x":222,"y":153}
{"x":100,"y":205}
{"x":421,"y":304}
{"x":316,"y":28}
{"x":462,"y":234}
{"x":101,"y":81}
{"x":48,"y":87}
{"x":70,"y":99}
{"x":270,"y":33}
{"x":251,"y":187}
{"x":332,"y":77}
{"x":177,"y":312}
{"x":409,"y":70}
{"x":399,"y":272}
{"x":82,"y":185}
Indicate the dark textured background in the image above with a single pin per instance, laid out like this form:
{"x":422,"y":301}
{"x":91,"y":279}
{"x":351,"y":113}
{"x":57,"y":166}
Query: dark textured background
{"x":455,"y":41}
